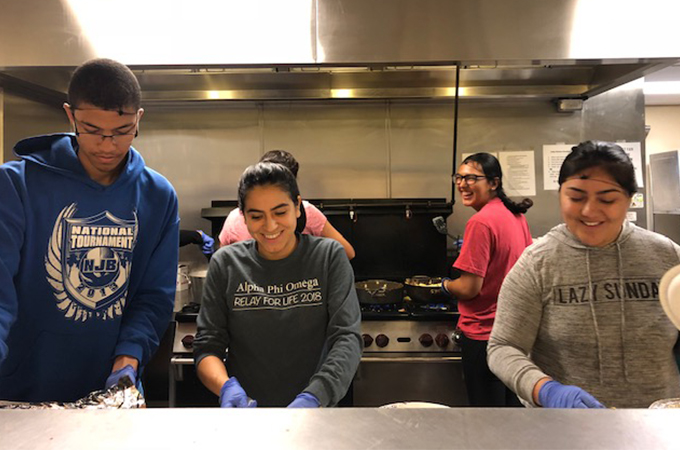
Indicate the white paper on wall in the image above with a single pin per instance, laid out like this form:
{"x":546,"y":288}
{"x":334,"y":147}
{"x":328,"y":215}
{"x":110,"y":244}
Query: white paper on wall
{"x":638,"y":201}
{"x":635,"y":154}
{"x":519,"y":173}
{"x":553,"y":156}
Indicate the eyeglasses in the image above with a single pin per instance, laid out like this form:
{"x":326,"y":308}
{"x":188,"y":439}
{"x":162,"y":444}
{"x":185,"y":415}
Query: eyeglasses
{"x":469,"y":179}
{"x":118,"y":139}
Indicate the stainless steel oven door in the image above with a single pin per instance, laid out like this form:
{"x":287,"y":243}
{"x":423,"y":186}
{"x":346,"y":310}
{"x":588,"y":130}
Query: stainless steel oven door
{"x":186,"y":390}
{"x":389,"y":378}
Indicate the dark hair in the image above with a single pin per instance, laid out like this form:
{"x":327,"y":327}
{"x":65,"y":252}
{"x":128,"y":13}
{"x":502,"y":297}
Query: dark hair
{"x":492,"y":170}
{"x":106,"y":84}
{"x":267,"y":174}
{"x":606,"y":155}
{"x":282,"y":157}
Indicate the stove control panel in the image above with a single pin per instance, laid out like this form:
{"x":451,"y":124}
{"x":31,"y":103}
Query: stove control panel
{"x":378,"y":336}
{"x":408,"y":336}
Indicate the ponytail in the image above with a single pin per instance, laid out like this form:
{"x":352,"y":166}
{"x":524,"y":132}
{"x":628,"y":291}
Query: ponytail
{"x":514,"y":207}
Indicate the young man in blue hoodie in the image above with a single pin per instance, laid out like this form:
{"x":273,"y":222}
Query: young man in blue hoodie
{"x":88,"y":254}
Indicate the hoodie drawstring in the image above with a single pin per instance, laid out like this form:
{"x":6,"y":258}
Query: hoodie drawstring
{"x":592,"y":313}
{"x":622,"y":297}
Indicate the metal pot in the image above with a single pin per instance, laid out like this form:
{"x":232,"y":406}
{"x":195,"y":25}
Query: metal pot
{"x":379,"y":292}
{"x":197,"y":278}
{"x":424,"y":289}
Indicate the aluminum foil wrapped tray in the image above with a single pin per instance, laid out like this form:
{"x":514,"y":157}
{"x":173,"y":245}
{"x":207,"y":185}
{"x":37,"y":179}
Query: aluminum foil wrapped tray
{"x":666,"y":403}
{"x":124,"y":395}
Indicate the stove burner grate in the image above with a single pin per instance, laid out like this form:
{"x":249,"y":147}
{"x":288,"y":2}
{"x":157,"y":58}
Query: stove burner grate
{"x":382,"y":308}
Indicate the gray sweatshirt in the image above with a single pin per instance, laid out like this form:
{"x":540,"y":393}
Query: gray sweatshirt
{"x":290,"y":325}
{"x":589,"y":317}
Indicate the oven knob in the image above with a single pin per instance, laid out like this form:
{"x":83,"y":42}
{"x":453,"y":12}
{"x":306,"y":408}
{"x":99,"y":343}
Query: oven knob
{"x":188,"y":341}
{"x":381,"y":340}
{"x":368,"y":340}
{"x":425,"y":339}
{"x":442,"y":340}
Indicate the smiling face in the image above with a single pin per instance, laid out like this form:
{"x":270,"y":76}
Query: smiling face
{"x":103,"y":158}
{"x":594,"y":206}
{"x":481,"y":192}
{"x":271,"y":218}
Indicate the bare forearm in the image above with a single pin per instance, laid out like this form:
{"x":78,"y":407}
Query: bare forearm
{"x":124,"y":360}
{"x":537,"y":388}
{"x":212,"y":373}
{"x":464,"y":288}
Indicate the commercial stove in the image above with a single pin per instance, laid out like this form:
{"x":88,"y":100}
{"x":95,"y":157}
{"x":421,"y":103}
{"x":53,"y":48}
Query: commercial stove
{"x":410,"y":355}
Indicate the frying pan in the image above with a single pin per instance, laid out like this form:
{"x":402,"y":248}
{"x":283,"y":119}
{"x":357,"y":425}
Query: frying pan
{"x":379,"y":292}
{"x":424,"y":289}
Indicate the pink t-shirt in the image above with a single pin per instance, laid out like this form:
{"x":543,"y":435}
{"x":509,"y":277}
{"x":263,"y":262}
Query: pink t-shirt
{"x":235,"y":230}
{"x":493,"y":241}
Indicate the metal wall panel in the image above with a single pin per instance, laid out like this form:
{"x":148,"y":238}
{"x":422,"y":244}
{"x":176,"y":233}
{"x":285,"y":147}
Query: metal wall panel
{"x":342,"y":147}
{"x":421,"y":142}
{"x":619,"y":115}
{"x":23,"y":118}
{"x":202,"y":151}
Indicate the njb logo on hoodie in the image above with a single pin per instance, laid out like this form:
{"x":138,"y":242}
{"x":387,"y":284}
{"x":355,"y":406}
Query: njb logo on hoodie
{"x":88,"y":263}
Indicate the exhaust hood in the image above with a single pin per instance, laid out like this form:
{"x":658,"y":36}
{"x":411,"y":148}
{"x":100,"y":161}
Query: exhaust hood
{"x":340,"y":49}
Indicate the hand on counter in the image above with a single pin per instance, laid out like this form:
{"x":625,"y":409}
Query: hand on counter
{"x":557,"y":395}
{"x":232,"y":395}
{"x":117,"y":375}
{"x":305,"y":400}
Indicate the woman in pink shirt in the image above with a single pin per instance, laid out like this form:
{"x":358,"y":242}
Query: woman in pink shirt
{"x":235,"y":230}
{"x":494,"y":239}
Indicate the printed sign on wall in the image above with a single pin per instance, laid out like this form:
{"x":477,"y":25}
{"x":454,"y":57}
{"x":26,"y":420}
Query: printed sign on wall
{"x":553,"y":156}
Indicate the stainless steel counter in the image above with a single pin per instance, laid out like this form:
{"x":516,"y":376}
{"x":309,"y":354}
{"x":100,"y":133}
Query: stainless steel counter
{"x":339,"y":428}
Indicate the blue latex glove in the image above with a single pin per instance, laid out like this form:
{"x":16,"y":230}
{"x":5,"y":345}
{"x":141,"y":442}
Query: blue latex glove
{"x":208,"y":243}
{"x":232,"y":395}
{"x":305,"y":400}
{"x":116,"y":376}
{"x":557,"y":395}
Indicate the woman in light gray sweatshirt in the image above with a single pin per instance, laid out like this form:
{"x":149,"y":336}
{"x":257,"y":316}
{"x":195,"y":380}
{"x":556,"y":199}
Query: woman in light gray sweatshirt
{"x":579,"y":323}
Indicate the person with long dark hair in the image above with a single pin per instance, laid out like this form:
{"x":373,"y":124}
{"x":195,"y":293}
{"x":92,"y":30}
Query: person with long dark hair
{"x":283,"y":306}
{"x":494,"y":239}
{"x":579,"y":323}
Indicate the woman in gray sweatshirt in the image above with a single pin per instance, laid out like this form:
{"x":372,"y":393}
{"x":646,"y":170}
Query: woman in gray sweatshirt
{"x":281,"y":307}
{"x":579,"y":323}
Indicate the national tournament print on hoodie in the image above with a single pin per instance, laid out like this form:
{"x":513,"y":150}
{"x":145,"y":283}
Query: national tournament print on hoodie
{"x":88,"y":263}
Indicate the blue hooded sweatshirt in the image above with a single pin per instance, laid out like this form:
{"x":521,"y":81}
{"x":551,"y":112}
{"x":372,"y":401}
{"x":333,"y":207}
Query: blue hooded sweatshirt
{"x":87,"y":272}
